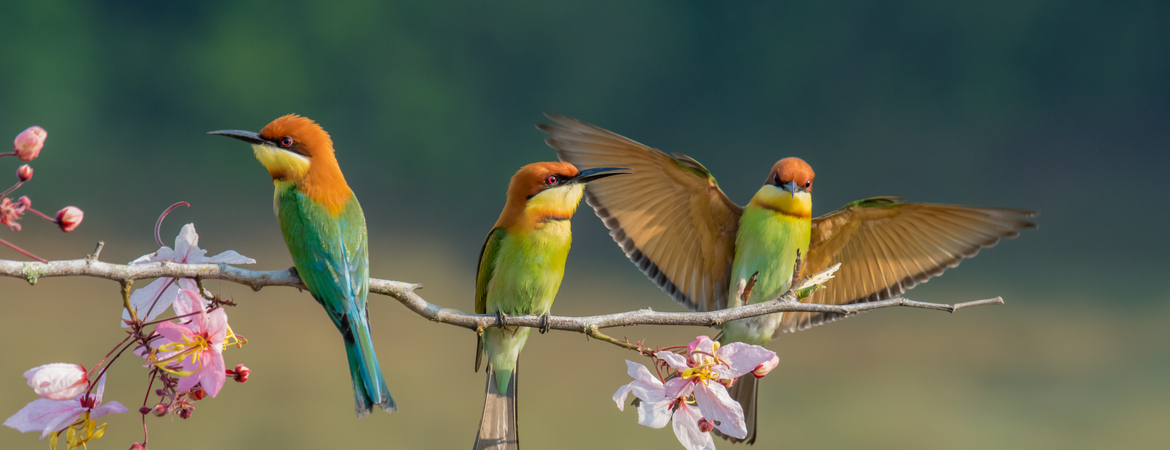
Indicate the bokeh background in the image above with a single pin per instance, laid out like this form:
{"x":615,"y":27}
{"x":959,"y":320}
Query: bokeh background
{"x":1060,"y":107}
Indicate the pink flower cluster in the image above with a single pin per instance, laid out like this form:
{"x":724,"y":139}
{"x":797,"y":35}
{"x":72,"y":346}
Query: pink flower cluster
{"x":27,"y":146}
{"x":63,"y":404}
{"x":695,"y":397}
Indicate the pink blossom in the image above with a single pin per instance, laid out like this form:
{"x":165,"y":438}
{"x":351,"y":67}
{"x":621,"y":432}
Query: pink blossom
{"x":663,"y":403}
{"x":51,"y":416}
{"x":186,"y":251}
{"x":10,"y":211}
{"x":58,"y":381}
{"x":197,"y":349}
{"x":713,"y":368}
{"x":69,"y":217}
{"x":29,"y":142}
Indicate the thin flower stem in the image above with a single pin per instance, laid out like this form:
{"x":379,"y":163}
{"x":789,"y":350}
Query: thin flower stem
{"x":13,"y":188}
{"x":93,"y":382}
{"x":146,"y":398}
{"x":173,"y":318}
{"x":23,"y":252}
{"x":43,"y":216}
{"x":7,"y":154}
{"x":99,"y":364}
{"x":158,"y":223}
{"x":126,"y":284}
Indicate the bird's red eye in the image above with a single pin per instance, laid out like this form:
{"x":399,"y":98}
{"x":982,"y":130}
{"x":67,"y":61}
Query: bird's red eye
{"x":808,"y":184}
{"x":286,"y":142}
{"x":551,"y":180}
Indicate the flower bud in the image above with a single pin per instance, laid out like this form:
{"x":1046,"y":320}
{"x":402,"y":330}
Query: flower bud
{"x":29,"y":142}
{"x":161,"y":409}
{"x":705,"y":425}
{"x":186,"y":413}
{"x":145,"y":410}
{"x":198,"y":394}
{"x":137,"y":446}
{"x":24,"y":173}
{"x":69,"y":217}
{"x":58,"y":381}
{"x":763,"y":369}
{"x":240,"y":374}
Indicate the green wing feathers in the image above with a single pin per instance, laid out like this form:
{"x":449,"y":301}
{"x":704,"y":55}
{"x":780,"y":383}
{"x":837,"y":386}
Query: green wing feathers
{"x":331,"y":255}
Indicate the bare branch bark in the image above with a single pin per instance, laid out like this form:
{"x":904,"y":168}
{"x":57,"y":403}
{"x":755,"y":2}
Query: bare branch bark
{"x":405,"y":293}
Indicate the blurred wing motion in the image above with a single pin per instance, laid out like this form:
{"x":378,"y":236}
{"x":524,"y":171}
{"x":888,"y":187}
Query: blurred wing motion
{"x":886,"y":247}
{"x":669,"y":216}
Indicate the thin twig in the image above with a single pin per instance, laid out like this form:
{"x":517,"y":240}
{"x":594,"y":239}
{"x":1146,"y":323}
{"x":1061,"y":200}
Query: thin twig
{"x":404,"y":293}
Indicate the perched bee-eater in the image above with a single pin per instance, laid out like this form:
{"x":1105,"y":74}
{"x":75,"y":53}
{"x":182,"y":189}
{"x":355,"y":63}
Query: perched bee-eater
{"x":325,"y":231}
{"x":677,"y":226}
{"x":520,"y":270}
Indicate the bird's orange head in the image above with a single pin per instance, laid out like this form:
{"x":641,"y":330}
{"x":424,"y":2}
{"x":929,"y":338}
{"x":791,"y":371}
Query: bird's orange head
{"x":788,"y":189}
{"x":296,"y":150}
{"x":547,"y":191}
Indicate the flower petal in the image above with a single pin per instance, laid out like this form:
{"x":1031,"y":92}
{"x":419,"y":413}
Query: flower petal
{"x":187,"y":244}
{"x":58,"y":381}
{"x":44,"y":415}
{"x":216,"y":327}
{"x":213,"y":374}
{"x":686,"y":429}
{"x":641,"y":373}
{"x":112,"y":407}
{"x":173,"y":332}
{"x":619,"y":397}
{"x":677,"y":362}
{"x":231,"y":257}
{"x":717,"y":405}
{"x":654,"y":414}
{"x":187,"y":302}
{"x":679,"y":387}
{"x":742,"y":358}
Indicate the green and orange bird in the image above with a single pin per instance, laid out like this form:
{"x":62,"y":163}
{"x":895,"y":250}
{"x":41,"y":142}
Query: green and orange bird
{"x":672,"y":220}
{"x":520,"y":270}
{"x":325,"y":231}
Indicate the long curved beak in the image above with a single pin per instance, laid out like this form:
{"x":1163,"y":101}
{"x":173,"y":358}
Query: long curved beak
{"x":246,"y":136}
{"x":598,"y":173}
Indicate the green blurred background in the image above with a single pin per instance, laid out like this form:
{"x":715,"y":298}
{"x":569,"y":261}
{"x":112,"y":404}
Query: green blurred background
{"x":1060,"y":107}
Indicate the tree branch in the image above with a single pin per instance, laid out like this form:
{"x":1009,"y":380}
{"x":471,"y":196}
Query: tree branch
{"x":404,"y":293}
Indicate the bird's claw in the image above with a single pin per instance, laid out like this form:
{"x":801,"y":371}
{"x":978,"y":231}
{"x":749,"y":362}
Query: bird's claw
{"x":545,"y":323}
{"x":500,"y":318}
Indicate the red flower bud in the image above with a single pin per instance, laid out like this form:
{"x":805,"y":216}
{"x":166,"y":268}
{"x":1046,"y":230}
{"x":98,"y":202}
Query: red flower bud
{"x":137,"y":446}
{"x":763,"y":369}
{"x":198,"y":395}
{"x":69,"y":218}
{"x":29,"y":142}
{"x":24,"y":173}
{"x":161,"y":409}
{"x":240,"y":374}
{"x":145,"y":410}
{"x":705,"y":425}
{"x":186,"y":413}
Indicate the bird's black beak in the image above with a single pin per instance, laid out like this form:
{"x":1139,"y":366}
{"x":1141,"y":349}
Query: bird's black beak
{"x":598,"y":173}
{"x":246,"y":136}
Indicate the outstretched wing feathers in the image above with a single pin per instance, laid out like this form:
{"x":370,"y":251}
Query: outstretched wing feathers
{"x":885,"y":248}
{"x":669,"y":216}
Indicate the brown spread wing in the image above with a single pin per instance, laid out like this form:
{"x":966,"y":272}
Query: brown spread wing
{"x":669,"y":216}
{"x":886,"y":247}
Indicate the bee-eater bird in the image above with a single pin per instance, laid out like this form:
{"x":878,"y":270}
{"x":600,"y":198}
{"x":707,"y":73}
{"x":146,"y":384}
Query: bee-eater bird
{"x":520,"y":270}
{"x":672,"y":220}
{"x":325,"y":231}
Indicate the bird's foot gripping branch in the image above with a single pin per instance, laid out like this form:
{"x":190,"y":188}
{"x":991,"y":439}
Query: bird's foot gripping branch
{"x":184,"y":352}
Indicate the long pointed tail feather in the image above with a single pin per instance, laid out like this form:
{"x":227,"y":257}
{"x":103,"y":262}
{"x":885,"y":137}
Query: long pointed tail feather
{"x":369,"y":387}
{"x":745,"y":391}
{"x":498,"y":426}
